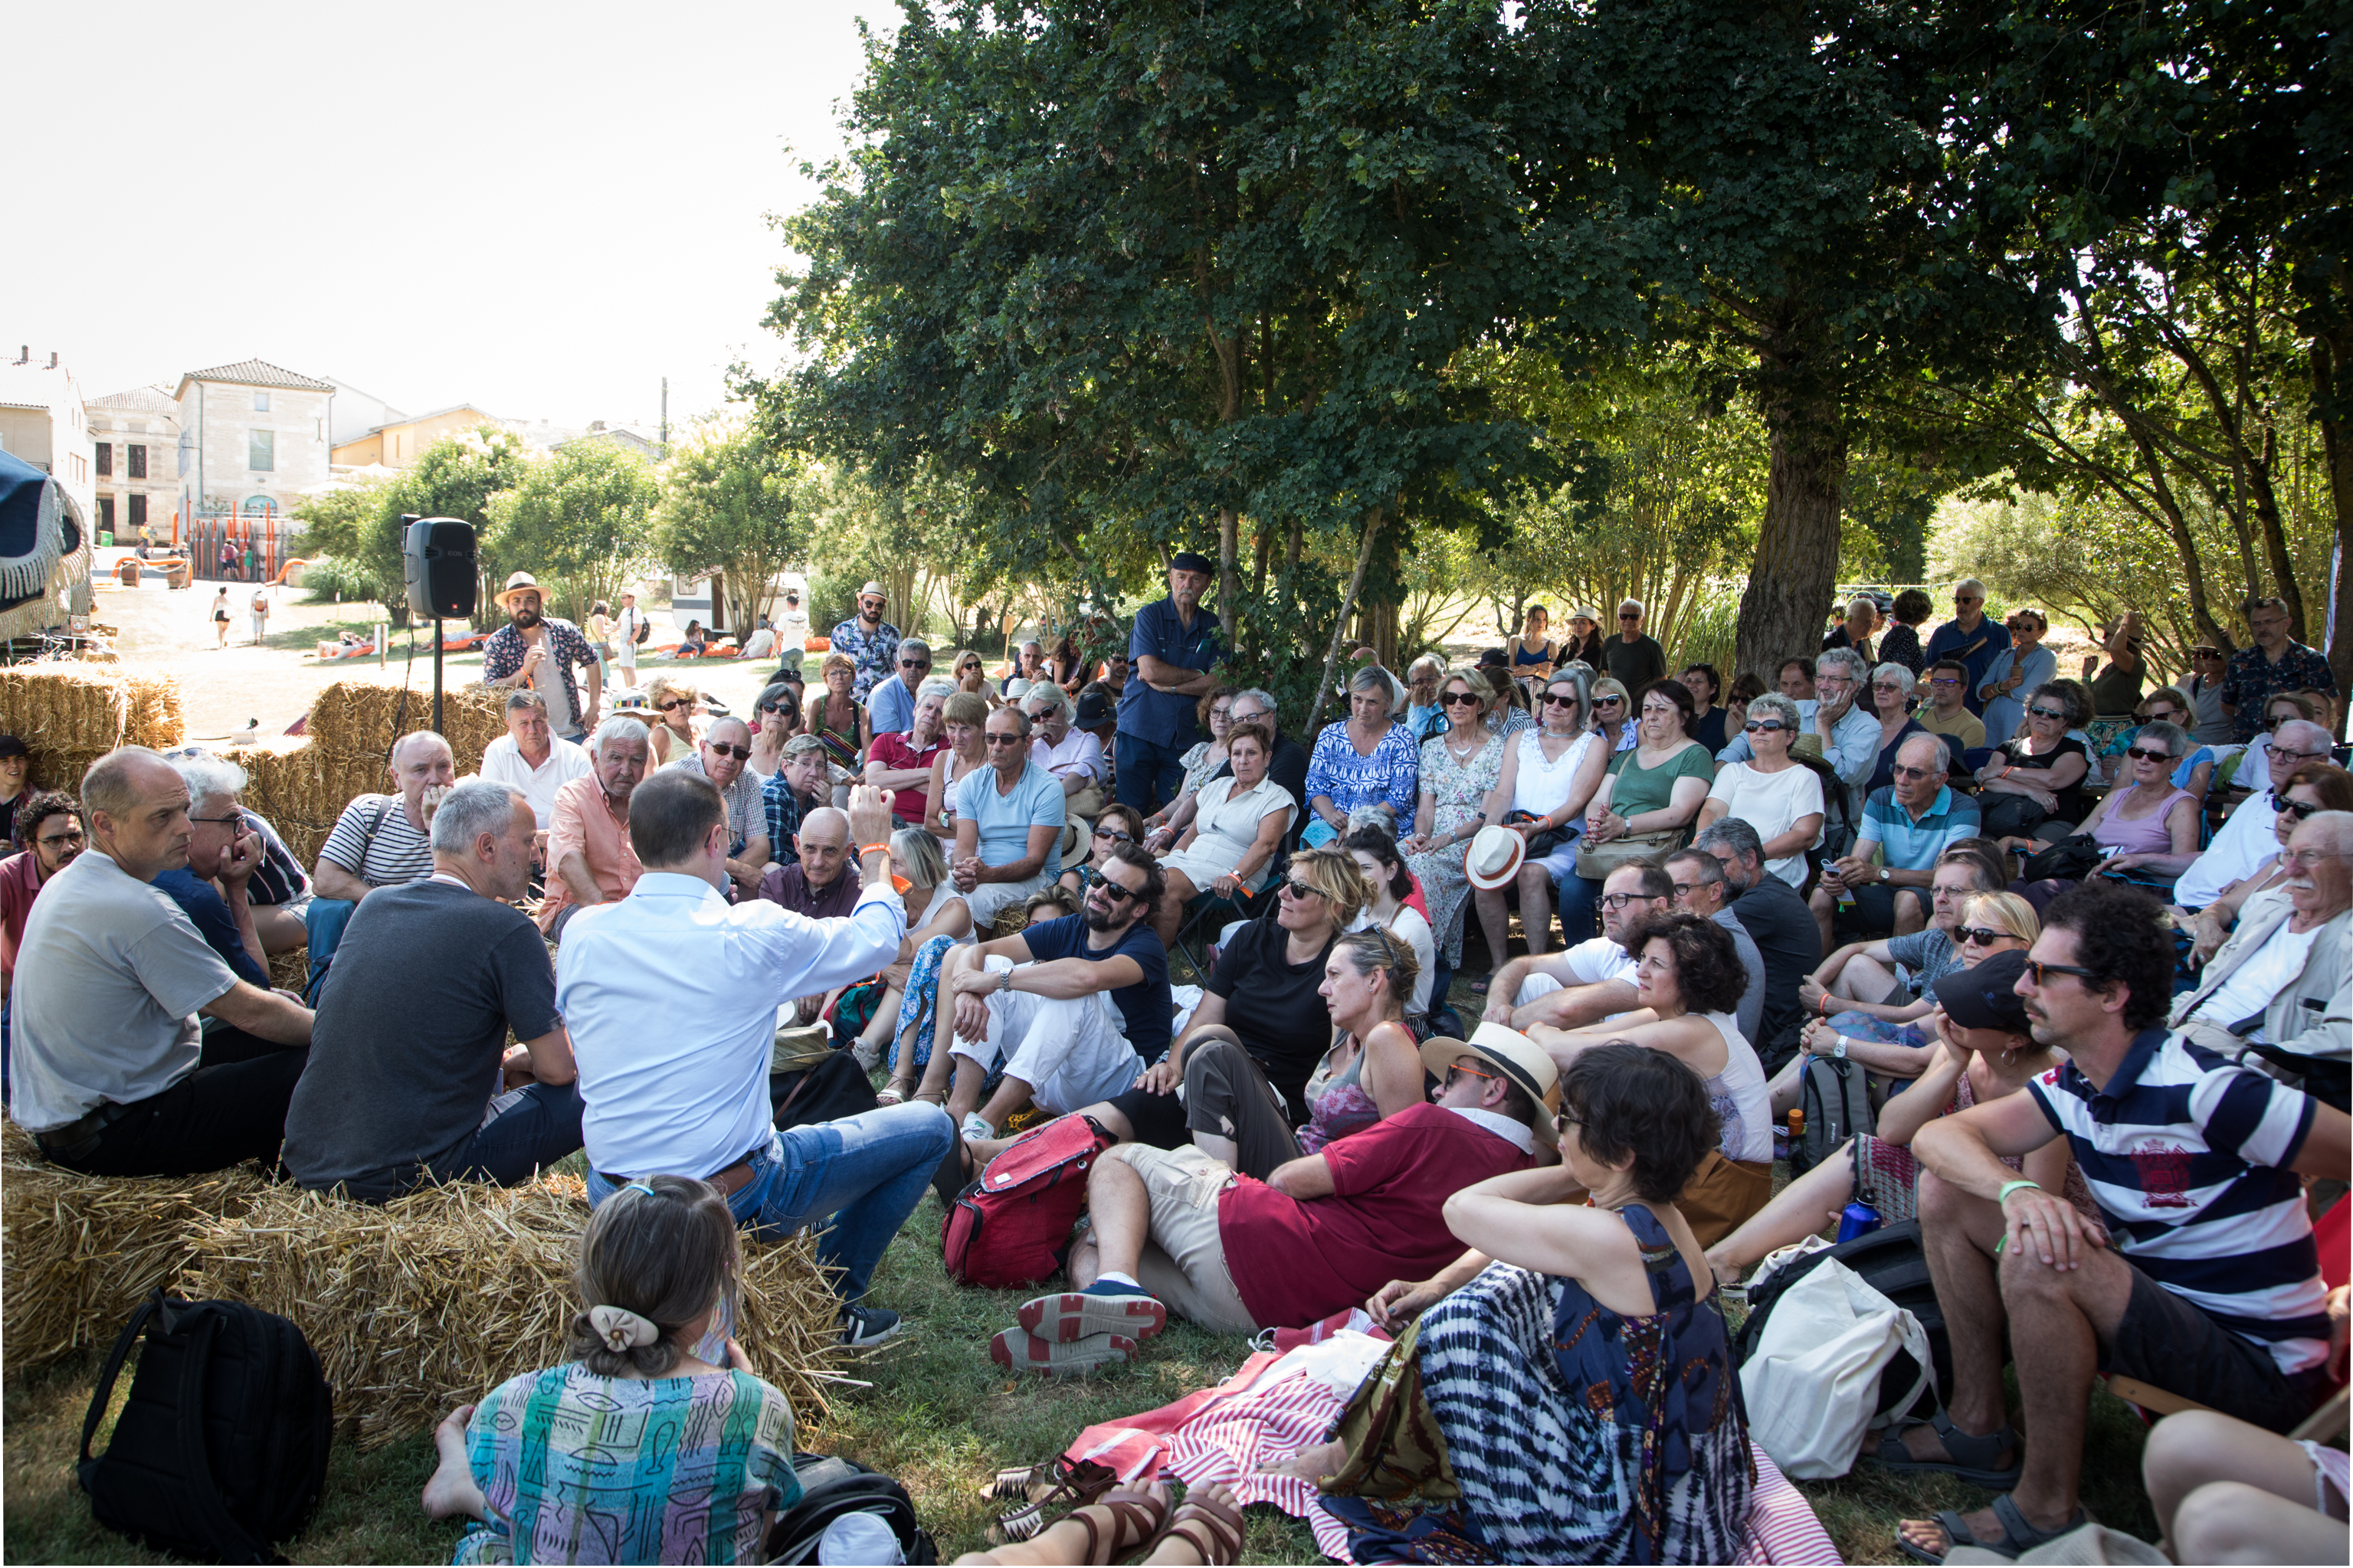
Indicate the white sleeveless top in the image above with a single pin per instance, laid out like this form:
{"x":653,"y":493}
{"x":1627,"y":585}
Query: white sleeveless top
{"x":1739,"y":1094}
{"x":1541,"y":786}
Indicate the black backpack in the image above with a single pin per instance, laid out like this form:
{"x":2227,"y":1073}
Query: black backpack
{"x":645,"y":630}
{"x":832,"y":1486}
{"x":835,"y":1087}
{"x":1891,"y":1260}
{"x":221,"y":1447}
{"x":1836,"y":1097}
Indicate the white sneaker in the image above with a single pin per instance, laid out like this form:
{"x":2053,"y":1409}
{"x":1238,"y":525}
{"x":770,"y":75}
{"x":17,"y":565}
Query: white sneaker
{"x":976,"y":1127}
{"x":868,"y":1057}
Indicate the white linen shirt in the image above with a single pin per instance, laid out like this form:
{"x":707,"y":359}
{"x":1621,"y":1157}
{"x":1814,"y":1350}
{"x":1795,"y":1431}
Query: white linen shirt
{"x":503,"y":763}
{"x":670,"y":995}
{"x":2244,"y":841}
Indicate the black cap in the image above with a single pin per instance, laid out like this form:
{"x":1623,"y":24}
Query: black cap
{"x":1191,"y":561}
{"x":1986,"y":998}
{"x":1493,"y":659}
{"x":1094,"y":709}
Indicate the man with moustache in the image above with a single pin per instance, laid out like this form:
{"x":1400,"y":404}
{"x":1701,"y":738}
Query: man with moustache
{"x":540,"y":651}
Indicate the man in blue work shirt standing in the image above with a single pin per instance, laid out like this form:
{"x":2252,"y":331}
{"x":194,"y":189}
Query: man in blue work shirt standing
{"x":1173,"y":650}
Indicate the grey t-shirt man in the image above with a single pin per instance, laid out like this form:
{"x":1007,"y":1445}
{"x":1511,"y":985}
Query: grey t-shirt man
{"x":412,"y":1022}
{"x":1751,"y":1011}
{"x":109,"y":975}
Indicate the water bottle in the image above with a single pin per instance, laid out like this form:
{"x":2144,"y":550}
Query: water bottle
{"x":1858,"y":1218}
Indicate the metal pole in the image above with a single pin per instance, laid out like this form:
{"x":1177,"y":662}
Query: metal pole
{"x":437,"y":677}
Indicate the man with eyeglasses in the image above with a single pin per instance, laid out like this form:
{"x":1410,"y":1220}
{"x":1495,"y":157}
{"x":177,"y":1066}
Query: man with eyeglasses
{"x":891,"y":705}
{"x":2245,"y":839}
{"x":1946,"y":712}
{"x":1009,"y":815}
{"x":1971,"y":635}
{"x":48,"y":835}
{"x":871,"y":642}
{"x":1846,"y":727}
{"x":1906,"y":825}
{"x":721,"y":757}
{"x":1779,"y":924}
{"x":1591,"y":981}
{"x":1075,"y":1007}
{"x":1701,"y":890}
{"x":530,"y":756}
{"x":2282,"y":987}
{"x":222,"y":854}
{"x":1174,"y":649}
{"x":2199,"y":1276}
{"x":1634,"y":656}
{"x":2276,"y":663}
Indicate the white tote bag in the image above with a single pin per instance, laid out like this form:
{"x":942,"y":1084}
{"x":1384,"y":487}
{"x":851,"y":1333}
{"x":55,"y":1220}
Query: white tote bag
{"x":1813,"y":1385}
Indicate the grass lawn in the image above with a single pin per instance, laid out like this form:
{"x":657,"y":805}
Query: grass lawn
{"x":939,"y":1416}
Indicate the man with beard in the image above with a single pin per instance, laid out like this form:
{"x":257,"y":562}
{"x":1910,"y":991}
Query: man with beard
{"x":871,"y":642}
{"x":538,"y":651}
{"x":1075,"y":1007}
{"x":48,"y":832}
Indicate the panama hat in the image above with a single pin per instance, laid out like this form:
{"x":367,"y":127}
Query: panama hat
{"x":1517,"y":1058}
{"x":516,"y":583}
{"x":1586,"y":612}
{"x":1494,"y":858}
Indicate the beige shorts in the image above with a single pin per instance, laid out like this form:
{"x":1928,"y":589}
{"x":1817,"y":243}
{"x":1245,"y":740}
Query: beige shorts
{"x":1183,"y":1260}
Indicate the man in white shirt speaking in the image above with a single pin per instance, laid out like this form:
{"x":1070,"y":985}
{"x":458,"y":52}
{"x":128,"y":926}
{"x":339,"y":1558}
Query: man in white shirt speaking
{"x":675,"y":1078}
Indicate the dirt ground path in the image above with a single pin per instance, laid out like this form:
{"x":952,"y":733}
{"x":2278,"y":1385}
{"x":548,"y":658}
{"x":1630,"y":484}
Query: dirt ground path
{"x":226,"y":689}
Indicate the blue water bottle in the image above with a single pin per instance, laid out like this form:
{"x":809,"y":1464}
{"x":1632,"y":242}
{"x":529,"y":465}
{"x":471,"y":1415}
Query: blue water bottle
{"x":1858,"y":1218}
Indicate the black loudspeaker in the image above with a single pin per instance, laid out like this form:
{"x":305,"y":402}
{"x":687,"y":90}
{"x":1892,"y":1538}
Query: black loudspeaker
{"x":438,"y":565}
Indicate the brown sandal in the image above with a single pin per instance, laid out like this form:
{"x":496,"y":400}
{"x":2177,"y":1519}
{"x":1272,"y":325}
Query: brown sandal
{"x":1038,"y":1487}
{"x":1135,"y":1519}
{"x":1220,"y":1522}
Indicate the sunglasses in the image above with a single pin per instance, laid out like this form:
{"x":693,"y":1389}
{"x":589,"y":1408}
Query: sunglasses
{"x":1005,"y":740}
{"x":1299,"y":889}
{"x":2299,"y":809}
{"x":1978,"y":936}
{"x":2276,"y":720}
{"x":1765,"y":726}
{"x":915,"y":664}
{"x":1458,"y":700}
{"x":1552,"y":702}
{"x":2143,"y":754}
{"x":1887,"y":686}
{"x":233,"y":816}
{"x":1627,"y":615}
{"x":1114,"y":892}
{"x":2048,"y":713}
{"x":677,"y":703}
{"x":740,"y":753}
{"x":1904,"y":771}
{"x":1115,"y":834}
{"x":2042,"y":971}
{"x":774,"y":706}
{"x":1608,"y":701}
{"x":2205,"y":653}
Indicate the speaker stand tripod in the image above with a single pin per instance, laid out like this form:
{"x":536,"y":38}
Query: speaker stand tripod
{"x":436,"y":679}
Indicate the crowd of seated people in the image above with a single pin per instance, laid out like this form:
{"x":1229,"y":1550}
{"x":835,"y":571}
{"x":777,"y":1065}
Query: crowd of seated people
{"x":1012,"y":870}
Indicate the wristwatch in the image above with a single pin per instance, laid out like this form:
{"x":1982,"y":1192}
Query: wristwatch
{"x":1883,"y":873}
{"x":1840,"y":1051}
{"x":1005,"y":983}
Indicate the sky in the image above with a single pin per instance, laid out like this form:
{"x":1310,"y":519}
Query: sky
{"x":541,"y":210}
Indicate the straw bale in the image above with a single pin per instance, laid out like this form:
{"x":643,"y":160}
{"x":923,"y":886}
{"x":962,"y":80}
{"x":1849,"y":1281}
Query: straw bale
{"x":358,"y":720}
{"x":433,"y":1300}
{"x":89,"y":709}
{"x":292,"y":784}
{"x":80,"y":1252}
{"x":54,"y":768}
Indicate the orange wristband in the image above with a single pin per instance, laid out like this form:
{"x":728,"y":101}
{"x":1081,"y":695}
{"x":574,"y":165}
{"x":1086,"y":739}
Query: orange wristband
{"x":866,"y":849}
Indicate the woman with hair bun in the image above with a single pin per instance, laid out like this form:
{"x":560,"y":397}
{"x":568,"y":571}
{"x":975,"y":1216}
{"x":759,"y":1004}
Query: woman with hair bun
{"x":656,"y":1442}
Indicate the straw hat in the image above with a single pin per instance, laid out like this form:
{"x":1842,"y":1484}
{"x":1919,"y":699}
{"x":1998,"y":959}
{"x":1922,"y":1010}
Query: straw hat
{"x":1517,"y":1058}
{"x":515,"y":584}
{"x":1586,"y":612}
{"x":1494,"y":858}
{"x":1807,"y":745}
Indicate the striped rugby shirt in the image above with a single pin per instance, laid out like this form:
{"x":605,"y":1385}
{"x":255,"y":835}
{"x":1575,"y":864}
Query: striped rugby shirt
{"x":2185,"y":1155}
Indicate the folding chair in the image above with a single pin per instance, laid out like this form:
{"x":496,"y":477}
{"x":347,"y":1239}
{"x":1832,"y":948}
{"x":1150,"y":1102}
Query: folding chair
{"x":1209,"y":914}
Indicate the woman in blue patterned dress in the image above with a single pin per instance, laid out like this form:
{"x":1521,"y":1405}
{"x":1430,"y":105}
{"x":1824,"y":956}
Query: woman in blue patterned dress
{"x":1575,"y":1401}
{"x":1365,"y":759}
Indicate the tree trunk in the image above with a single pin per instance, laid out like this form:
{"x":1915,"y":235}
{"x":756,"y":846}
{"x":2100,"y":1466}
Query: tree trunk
{"x":2332,"y":358}
{"x":1229,"y":538}
{"x":1795,"y":572}
{"x":1340,"y":624}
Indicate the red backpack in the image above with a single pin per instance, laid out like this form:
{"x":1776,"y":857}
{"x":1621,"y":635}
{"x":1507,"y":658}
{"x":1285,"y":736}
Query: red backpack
{"x":1012,"y":1225}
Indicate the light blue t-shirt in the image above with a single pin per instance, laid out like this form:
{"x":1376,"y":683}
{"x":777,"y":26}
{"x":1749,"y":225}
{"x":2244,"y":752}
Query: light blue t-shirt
{"x":1005,"y":820}
{"x":890,"y":709}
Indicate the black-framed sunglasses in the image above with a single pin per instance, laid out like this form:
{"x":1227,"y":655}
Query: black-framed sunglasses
{"x":1115,"y":834}
{"x":915,"y":664}
{"x":1904,"y":771}
{"x":233,"y":816}
{"x":1978,"y":936}
{"x":1115,"y":893}
{"x":677,"y":703}
{"x":1552,"y":699}
{"x":2043,"y":972}
{"x":2144,"y":754}
{"x":2299,"y":809}
{"x":1628,"y":616}
{"x":2048,"y":713}
{"x":740,"y":753}
{"x":1606,"y":700}
{"x":774,"y":706}
{"x":995,"y":740}
{"x":1299,"y":889}
{"x":1763,"y":726}
{"x":1458,"y":700}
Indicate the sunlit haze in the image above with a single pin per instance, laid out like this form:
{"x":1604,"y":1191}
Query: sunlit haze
{"x":541,"y":210}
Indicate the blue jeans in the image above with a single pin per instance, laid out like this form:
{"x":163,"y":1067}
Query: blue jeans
{"x":1148,"y":773}
{"x":859,"y":1177}
{"x":1578,"y":899}
{"x":529,"y":1129}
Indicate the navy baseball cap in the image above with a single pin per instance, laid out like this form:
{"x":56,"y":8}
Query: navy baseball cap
{"x":1986,"y":998}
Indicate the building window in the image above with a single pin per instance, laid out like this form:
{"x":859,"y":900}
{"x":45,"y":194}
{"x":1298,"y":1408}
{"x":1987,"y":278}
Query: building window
{"x":137,"y":456}
{"x":262,"y":451}
{"x":138,"y":512}
{"x":106,"y":514}
{"x":261,"y":402}
{"x":106,"y":457}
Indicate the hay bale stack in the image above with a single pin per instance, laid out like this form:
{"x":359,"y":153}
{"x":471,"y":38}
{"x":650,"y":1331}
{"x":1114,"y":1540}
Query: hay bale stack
{"x":69,"y":715}
{"x":291,"y":781}
{"x":433,"y":1300}
{"x":78,"y":1253}
{"x":354,"y":722}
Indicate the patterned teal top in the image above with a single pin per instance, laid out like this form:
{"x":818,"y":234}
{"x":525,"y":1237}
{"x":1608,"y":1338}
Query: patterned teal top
{"x":575,"y":1468}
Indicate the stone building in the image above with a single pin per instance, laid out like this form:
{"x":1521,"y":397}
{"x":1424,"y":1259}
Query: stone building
{"x":136,"y":435}
{"x":257,"y":436}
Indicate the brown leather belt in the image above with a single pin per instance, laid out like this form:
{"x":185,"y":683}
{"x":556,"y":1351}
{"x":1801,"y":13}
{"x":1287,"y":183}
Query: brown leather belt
{"x":734,"y":1179}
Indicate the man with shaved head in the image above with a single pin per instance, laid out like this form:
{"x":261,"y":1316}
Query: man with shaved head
{"x":381,"y":840}
{"x":822,"y":884}
{"x":113,"y":1074}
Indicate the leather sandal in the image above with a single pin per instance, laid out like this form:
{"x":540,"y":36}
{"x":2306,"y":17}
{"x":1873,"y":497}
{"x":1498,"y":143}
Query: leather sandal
{"x":1209,"y":1527}
{"x":1059,"y":1484}
{"x":1972,"y":1458}
{"x":1119,"y":1523}
{"x":2017,"y":1534}
{"x":892,"y":1093}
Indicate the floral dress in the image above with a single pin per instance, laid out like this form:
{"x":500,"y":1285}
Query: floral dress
{"x":1547,"y":1428}
{"x":1457,"y":791}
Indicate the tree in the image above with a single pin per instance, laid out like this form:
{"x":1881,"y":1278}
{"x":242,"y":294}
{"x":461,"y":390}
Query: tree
{"x":337,"y":523}
{"x":733,"y":505}
{"x":578,"y":519}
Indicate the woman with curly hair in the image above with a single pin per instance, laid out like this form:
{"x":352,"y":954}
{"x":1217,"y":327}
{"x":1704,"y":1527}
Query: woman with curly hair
{"x":1688,"y":980}
{"x":656,"y":1441}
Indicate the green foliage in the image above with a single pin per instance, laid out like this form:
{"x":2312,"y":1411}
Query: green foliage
{"x":328,"y":581}
{"x":732,"y":503}
{"x":577,"y":519}
{"x":336,"y":524}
